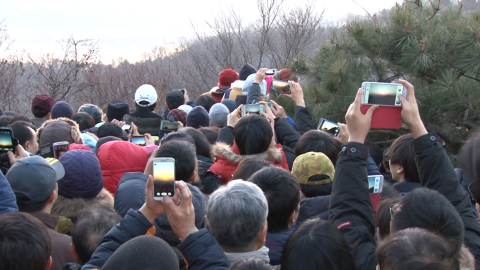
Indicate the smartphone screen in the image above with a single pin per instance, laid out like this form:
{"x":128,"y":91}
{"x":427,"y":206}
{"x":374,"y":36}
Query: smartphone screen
{"x":281,"y":86}
{"x":375,"y":183}
{"x":6,"y":142}
{"x":329,"y":127}
{"x":60,"y":149}
{"x":270,"y":72}
{"x":169,"y":126}
{"x":164,"y":177}
{"x":138,"y":140}
{"x":252,"y":109}
{"x":126,"y":128}
{"x":382,"y":93}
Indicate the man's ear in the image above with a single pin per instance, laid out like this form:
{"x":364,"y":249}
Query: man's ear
{"x":262,"y":235}
{"x":400,"y":170}
{"x":73,"y":251}
{"x":26,"y":145}
{"x":53,"y":196}
{"x":48,"y":116}
{"x":49,"y":263}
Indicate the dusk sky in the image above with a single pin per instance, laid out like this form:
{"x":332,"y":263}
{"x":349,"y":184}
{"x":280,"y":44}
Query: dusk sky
{"x":129,"y":28}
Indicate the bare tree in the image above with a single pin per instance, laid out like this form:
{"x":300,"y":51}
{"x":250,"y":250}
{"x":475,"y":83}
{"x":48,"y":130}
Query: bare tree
{"x":269,"y":13}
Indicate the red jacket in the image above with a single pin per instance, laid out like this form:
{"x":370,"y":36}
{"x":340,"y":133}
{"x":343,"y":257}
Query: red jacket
{"x":229,"y":157}
{"x":119,"y":157}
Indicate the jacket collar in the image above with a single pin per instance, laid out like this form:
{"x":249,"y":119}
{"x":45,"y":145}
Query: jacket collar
{"x":224,"y":150}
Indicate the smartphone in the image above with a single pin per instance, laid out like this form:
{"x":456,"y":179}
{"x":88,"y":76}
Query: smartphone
{"x":127,"y":128}
{"x":271,"y":71}
{"x":375,"y":184}
{"x":169,"y":126}
{"x":281,"y":87}
{"x":59,"y":148}
{"x":163,"y":178}
{"x":139,"y":140}
{"x":6,"y":140}
{"x":252,"y":109}
{"x":384,"y":94}
{"x":329,"y":127}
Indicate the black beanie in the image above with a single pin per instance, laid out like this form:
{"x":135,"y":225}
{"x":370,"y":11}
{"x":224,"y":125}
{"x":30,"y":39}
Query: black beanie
{"x":143,"y":252}
{"x":116,"y":110}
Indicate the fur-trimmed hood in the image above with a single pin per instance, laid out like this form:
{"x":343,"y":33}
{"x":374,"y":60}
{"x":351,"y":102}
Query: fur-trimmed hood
{"x":224,"y":150}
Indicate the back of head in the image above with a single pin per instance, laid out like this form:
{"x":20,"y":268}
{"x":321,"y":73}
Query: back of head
{"x":218,"y":115}
{"x":286,"y":75}
{"x":383,"y":218}
{"x":57,"y":130}
{"x":198,"y":117}
{"x":62,"y":109}
{"x":143,"y":252}
{"x":251,"y":264}
{"x":22,"y":131}
{"x":401,"y":154}
{"x":84,"y":120}
{"x":93,"y":111}
{"x":253,"y":135}
{"x":4,"y":120}
{"x":417,"y":248}
{"x":177,"y":136}
{"x":19,"y":117}
{"x":227,"y":77}
{"x":210,"y":133}
{"x":175,"y":99}
{"x":248,"y":167}
{"x":116,"y":110}
{"x":317,"y":244}
{"x":146,"y":96}
{"x":111,"y":129}
{"x":427,"y":209}
{"x":318,"y":141}
{"x":24,"y":242}
{"x":230,"y":104}
{"x":184,"y":155}
{"x":236,"y":213}
{"x":179,"y":116}
{"x":315,"y":173}
{"x":91,"y":226}
{"x":282,"y":191}
{"x":469,"y":160}
{"x":375,"y":151}
{"x":205,"y":101}
{"x":42,"y":105}
{"x":202,"y":146}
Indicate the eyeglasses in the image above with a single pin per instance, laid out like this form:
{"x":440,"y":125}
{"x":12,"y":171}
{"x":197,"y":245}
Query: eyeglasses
{"x":393,"y":209}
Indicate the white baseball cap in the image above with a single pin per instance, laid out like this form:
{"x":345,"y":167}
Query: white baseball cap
{"x":147,"y":93}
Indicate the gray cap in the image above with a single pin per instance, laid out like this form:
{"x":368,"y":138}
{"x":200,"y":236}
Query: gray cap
{"x":34,"y":178}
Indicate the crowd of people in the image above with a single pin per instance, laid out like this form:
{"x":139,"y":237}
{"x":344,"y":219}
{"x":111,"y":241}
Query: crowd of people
{"x":252,"y":191}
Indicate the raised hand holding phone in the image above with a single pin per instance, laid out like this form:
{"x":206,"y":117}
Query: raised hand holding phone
{"x":278,"y":110}
{"x":181,"y":217}
{"x":410,"y":113}
{"x":358,"y":124}
{"x":152,"y":208}
{"x":234,"y":117}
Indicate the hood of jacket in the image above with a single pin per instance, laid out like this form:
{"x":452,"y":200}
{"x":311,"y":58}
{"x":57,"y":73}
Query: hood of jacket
{"x":144,"y":125}
{"x":204,"y":164}
{"x":119,"y":157}
{"x":232,"y":155}
{"x":314,"y":207}
{"x":130,"y":192}
{"x":162,"y":226}
{"x":405,"y":187}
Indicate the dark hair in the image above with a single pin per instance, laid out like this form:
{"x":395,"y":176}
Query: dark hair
{"x":93,"y":110}
{"x":282,"y":191}
{"x":251,"y":264}
{"x":110,"y":129}
{"x":84,"y":120}
{"x":311,"y":191}
{"x":401,"y":154}
{"x":248,"y":167}
{"x":184,"y":154}
{"x":375,"y":151}
{"x":24,"y":242}
{"x":317,"y":244}
{"x":253,"y":135}
{"x":318,"y":141}
{"x":31,"y":207}
{"x":383,"y":217}
{"x":4,"y":120}
{"x":22,"y":132}
{"x":202,"y":146}
{"x":416,"y":249}
{"x":19,"y":117}
{"x":143,"y":102}
{"x":176,"y":136}
{"x":91,"y":226}
{"x":39,"y":112}
{"x":210,"y":133}
{"x":427,"y":209}
{"x":205,"y":101}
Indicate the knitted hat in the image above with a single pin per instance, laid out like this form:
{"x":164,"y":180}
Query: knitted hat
{"x":111,"y":129}
{"x":313,"y":163}
{"x":178,"y":115}
{"x":218,"y":115}
{"x":231,"y":105}
{"x":175,"y":99}
{"x":146,"y":94}
{"x":116,"y":110}
{"x":62,"y":109}
{"x":44,"y":102}
{"x":245,"y":71}
{"x":227,"y":77}
{"x":186,"y":108}
{"x":198,"y":118}
{"x":83,"y":175}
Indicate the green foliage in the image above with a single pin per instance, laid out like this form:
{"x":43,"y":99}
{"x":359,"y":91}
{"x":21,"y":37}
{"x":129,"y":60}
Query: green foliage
{"x":436,"y":49}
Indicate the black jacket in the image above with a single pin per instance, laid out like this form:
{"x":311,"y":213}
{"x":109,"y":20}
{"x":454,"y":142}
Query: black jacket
{"x":436,"y":172}
{"x":303,"y":119}
{"x":146,"y":121}
{"x":351,"y":209}
{"x":314,"y":207}
{"x":405,"y":187}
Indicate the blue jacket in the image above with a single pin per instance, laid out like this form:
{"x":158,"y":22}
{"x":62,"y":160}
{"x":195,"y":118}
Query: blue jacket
{"x":276,"y":242}
{"x":372,"y":168}
{"x":8,"y":202}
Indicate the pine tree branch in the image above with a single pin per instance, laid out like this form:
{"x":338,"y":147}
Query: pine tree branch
{"x":472,"y":78}
{"x":428,"y":75}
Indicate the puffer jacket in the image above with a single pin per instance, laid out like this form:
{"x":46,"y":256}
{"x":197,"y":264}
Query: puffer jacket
{"x":119,"y":157}
{"x":229,"y":157}
{"x":130,"y":192}
{"x":314,"y":207}
{"x":8,"y":202}
{"x":204,"y":164}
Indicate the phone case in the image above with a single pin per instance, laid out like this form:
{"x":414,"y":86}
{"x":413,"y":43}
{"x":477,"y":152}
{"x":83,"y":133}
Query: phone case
{"x":385,"y":117}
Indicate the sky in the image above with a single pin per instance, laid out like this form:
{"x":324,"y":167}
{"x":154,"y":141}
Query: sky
{"x":127,"y":29}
